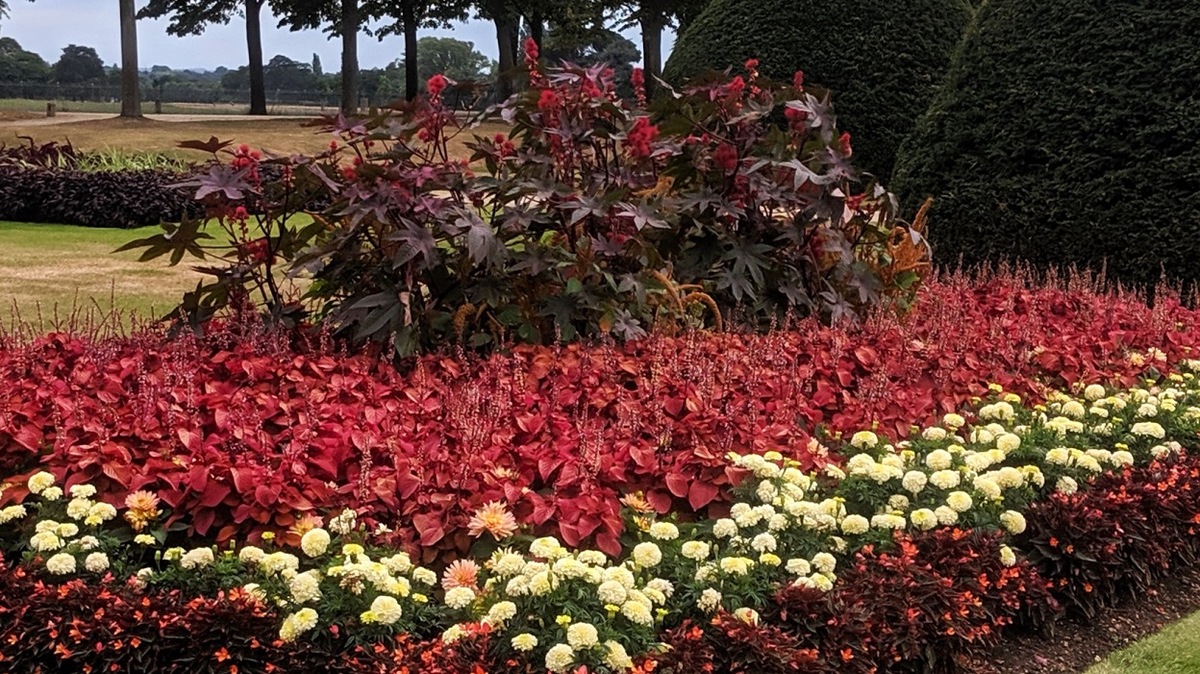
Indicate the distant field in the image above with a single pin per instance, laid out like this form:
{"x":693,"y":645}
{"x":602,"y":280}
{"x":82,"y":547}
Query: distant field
{"x":285,"y":136}
{"x":37,"y":106}
{"x":49,"y":269}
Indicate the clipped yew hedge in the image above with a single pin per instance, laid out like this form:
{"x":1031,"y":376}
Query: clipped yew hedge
{"x":883,"y":59}
{"x":1068,"y":133}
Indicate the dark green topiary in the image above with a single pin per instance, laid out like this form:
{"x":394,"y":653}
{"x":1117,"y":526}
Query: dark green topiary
{"x":1068,"y":133}
{"x":882,"y":59}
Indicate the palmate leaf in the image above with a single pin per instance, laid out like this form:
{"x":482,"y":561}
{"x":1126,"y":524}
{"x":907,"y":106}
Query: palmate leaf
{"x":178,"y":240}
{"x":220,"y":180}
{"x":212,"y":146}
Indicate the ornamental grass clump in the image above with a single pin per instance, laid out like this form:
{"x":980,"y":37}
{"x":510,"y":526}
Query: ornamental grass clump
{"x":731,"y":201}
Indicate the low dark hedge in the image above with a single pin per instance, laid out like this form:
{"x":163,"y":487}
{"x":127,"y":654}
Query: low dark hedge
{"x":1068,"y":133}
{"x":123,"y":199}
{"x":882,"y":59}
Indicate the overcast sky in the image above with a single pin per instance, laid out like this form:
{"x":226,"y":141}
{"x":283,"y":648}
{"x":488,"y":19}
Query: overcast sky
{"x":47,"y":26}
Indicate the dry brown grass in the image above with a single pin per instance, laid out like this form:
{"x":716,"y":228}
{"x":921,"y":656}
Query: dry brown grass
{"x":281,"y":136}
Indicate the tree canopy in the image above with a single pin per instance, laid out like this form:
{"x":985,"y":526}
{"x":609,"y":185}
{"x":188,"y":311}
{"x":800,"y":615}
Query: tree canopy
{"x":78,"y":64}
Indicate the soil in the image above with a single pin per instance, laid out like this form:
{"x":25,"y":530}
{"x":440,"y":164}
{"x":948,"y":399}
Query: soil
{"x":1073,"y":646}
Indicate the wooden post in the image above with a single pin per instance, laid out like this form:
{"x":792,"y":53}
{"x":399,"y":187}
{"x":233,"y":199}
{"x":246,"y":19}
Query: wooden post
{"x":51,"y":109}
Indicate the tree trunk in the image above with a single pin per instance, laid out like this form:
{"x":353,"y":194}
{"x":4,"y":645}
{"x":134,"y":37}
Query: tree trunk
{"x":131,"y":94}
{"x":258,"y":89}
{"x":506,"y":39}
{"x":350,"y":26}
{"x":412,"y":77}
{"x":537,"y":28}
{"x":652,"y":28}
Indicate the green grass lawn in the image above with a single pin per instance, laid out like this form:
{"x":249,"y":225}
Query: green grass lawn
{"x":49,"y":269}
{"x":1175,"y":650}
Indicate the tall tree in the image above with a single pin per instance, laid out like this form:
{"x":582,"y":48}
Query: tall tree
{"x":406,"y":17}
{"x":652,"y":17}
{"x":453,"y":58}
{"x":78,"y":64}
{"x":191,"y":17}
{"x":506,"y":17}
{"x":344,"y":19}
{"x":131,"y":86}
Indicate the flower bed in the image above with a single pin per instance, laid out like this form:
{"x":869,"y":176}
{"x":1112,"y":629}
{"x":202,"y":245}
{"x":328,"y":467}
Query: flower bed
{"x":244,"y":435}
{"x":805,"y":551}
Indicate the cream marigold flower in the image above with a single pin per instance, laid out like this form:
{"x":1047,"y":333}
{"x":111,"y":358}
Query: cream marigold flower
{"x":277,"y":562}
{"x":664,"y":531}
{"x":251,"y":554}
{"x":696,"y":550}
{"x":82,"y":491}
{"x":493,"y":518}
{"x":747,"y":615}
{"x":461,"y":573}
{"x":1149,"y":429}
{"x":945,"y":479}
{"x":1094,"y":392}
{"x":924,"y":519}
{"x":459,"y":597}
{"x":735,"y":566}
{"x":946,"y":515}
{"x":500,"y":613}
{"x":13,"y":512}
{"x":298,"y":623}
{"x":52,"y":493}
{"x":144,"y":539}
{"x":315,"y":542}
{"x":824,"y":562}
{"x":524,"y":642}
{"x":988,"y":487}
{"x":40,"y":482}
{"x":1066,"y":485}
{"x":1008,"y":443}
{"x":647,"y":555}
{"x":386,"y":609}
{"x":78,"y":508}
{"x":864,"y":440}
{"x":1007,"y":556}
{"x":305,"y":587}
{"x":954,"y":421}
{"x":582,"y":635}
{"x":854,"y":525}
{"x":616,"y":658}
{"x":914,"y":481}
{"x":888,"y":521}
{"x":763,"y":543}
{"x":547,"y":547}
{"x":1121,"y":459}
{"x":197,"y":558}
{"x":101,"y":511}
{"x":960,"y":501}
{"x":798,"y":567}
{"x":61,"y":564}
{"x":611,"y":592}
{"x":560,"y":658}
{"x":96,"y":562}
{"x":709,"y":601}
{"x":939,"y":459}
{"x":45,"y":541}
{"x":1012,"y":521}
